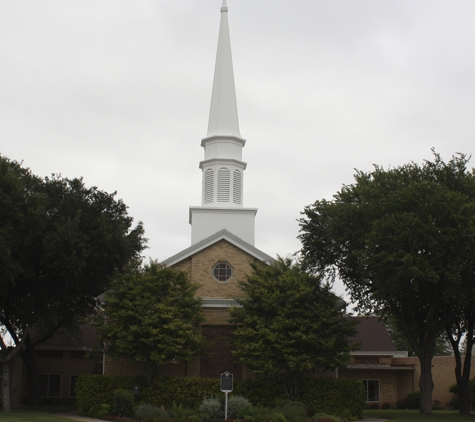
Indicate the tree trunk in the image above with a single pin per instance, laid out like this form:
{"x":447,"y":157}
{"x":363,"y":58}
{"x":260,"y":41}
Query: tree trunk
{"x":426,"y":384}
{"x":6,"y":399}
{"x":28,"y":356}
{"x":293,"y":383}
{"x":462,"y":371}
{"x":463,"y":374}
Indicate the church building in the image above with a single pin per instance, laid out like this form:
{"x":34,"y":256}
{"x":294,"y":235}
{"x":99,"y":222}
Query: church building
{"x":222,"y":229}
{"x":222,"y":249}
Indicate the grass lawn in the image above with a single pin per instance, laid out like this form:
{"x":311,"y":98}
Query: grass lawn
{"x":415,"y":416}
{"x":42,"y":414}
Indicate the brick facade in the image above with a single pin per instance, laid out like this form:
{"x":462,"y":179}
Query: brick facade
{"x":394,"y":376}
{"x":200,"y":266}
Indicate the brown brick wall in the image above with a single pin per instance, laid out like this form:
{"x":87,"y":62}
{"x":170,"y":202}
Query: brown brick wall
{"x":388,"y":381}
{"x":216,"y":316}
{"x":200,"y":265}
{"x":68,"y":366}
{"x":125,"y":367}
{"x":443,"y":375}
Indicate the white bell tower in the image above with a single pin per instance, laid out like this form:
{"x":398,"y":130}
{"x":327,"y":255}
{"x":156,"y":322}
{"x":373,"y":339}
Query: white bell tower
{"x":223,"y":168}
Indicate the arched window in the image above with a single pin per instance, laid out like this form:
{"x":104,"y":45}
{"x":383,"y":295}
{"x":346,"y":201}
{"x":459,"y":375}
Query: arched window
{"x":223,"y":185}
{"x":209,"y":186}
{"x":237,"y":187}
{"x":222,"y":271}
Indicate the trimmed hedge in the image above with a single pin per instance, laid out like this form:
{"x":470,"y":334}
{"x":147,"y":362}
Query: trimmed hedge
{"x":92,"y":390}
{"x":261,"y":391}
{"x":342,"y":397}
{"x":336,"y":396}
{"x":188,"y":392}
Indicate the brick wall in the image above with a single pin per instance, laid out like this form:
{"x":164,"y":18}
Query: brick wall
{"x":66,"y":366}
{"x":200,"y":266}
{"x":443,"y":375}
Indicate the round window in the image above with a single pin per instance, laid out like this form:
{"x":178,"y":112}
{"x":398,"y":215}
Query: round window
{"x":222,"y":271}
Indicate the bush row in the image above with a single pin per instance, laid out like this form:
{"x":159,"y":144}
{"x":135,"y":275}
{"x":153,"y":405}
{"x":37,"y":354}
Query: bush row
{"x":336,"y":396}
{"x":92,"y":390}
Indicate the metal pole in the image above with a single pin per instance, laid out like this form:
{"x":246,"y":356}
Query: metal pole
{"x":226,"y":406}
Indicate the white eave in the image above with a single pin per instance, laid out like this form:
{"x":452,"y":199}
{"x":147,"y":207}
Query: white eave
{"x":221,"y":235}
{"x":223,"y":138}
{"x":217,"y":302}
{"x":382,"y":367}
{"x":212,"y":161}
{"x":390,"y":353}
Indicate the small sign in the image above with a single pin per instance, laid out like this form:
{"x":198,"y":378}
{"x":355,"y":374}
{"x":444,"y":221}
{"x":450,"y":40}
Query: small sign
{"x":227,"y":382}
{"x":136,"y":389}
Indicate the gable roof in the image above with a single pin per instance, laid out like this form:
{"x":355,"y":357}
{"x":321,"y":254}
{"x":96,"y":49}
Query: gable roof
{"x":373,"y":335}
{"x":221,"y":235}
{"x":85,"y":339}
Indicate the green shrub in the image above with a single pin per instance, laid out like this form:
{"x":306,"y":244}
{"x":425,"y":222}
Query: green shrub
{"x":412,"y":401}
{"x":178,"y":413}
{"x":293,"y":411}
{"x":235,"y":404}
{"x":278,"y":417}
{"x":386,"y":406}
{"x":261,"y":414}
{"x":333,"y":396}
{"x":123,"y":403}
{"x":261,"y":391}
{"x":149,"y":413}
{"x":99,"y":411}
{"x":211,"y":406}
{"x":188,"y":392}
{"x":340,"y":397}
{"x":454,"y":403}
{"x":97,"y":389}
{"x":323,"y":417}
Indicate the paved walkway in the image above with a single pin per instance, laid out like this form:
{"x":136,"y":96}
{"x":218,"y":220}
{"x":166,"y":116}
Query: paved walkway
{"x":74,"y":417}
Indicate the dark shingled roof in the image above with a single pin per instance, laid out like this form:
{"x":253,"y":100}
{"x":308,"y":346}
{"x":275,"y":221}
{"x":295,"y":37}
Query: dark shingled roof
{"x":373,"y":335}
{"x":86,"y":339}
{"x":369,"y":331}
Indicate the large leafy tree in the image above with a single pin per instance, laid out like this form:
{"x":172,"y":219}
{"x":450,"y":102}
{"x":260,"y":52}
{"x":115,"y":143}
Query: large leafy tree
{"x":442,"y":345}
{"x":289,"y":323}
{"x":60,"y":244}
{"x":403,"y":242}
{"x":151,"y":316}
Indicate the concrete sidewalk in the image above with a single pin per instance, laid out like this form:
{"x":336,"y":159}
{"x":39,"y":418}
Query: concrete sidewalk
{"x":75,"y":417}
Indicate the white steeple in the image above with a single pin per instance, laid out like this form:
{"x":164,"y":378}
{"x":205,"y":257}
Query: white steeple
{"x":223,"y":116}
{"x":222,"y":194}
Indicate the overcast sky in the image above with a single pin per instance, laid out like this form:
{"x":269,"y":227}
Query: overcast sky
{"x":118,"y":92}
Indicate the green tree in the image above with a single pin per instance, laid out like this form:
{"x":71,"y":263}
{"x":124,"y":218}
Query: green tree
{"x":403,"y":242}
{"x":152,"y":317}
{"x":442,"y":345}
{"x":288,"y":324}
{"x":60,"y":244}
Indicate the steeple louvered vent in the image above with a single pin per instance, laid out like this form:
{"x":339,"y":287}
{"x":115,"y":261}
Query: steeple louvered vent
{"x":223,"y":185}
{"x":209,"y":186}
{"x":237,"y":187}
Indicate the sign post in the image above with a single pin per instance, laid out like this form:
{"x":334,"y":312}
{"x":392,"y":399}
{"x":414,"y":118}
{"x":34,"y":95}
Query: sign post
{"x":226,"y":387}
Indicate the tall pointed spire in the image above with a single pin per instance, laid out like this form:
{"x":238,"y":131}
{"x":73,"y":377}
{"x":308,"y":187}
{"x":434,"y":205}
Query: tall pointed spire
{"x":223,"y":116}
{"x":223,"y":168}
